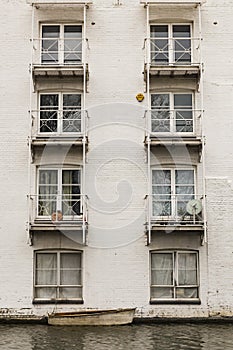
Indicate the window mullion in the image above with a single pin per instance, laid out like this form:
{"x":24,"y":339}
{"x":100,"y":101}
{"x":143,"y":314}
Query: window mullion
{"x":59,"y":197}
{"x":171,"y":44}
{"x":58,"y":275}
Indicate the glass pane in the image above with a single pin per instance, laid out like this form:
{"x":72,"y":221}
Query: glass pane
{"x":182,"y":43}
{"x":48,"y":113}
{"x":70,"y":277}
{"x":183,"y":100}
{"x":181,"y":31}
{"x":47,"y":177}
{"x":183,"y":112}
{"x":160,"y":112}
{"x":184,"y":177}
{"x":46,"y":269}
{"x":183,"y":293}
{"x":71,"y":177}
{"x":71,"y":100}
{"x":162,"y":269}
{"x":159,"y":44}
{"x":45,"y":293}
{"x":162,"y":293}
{"x":187,"y":269}
{"x":72,"y":44}
{"x":160,"y":177}
{"x":70,"y":260}
{"x":71,"y":113}
{"x":50,"y":35}
{"x":67,"y":293}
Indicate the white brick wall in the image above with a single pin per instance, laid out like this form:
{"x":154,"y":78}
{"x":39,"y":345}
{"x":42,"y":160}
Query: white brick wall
{"x":116,"y":261}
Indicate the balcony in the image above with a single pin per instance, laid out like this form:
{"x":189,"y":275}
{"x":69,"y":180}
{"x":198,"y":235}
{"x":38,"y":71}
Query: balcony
{"x":59,"y":127}
{"x":64,"y":213}
{"x":172,"y":57}
{"x":179,"y":212}
{"x":59,"y":58}
{"x":174,"y":127}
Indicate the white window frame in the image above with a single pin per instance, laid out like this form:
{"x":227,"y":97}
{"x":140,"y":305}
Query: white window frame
{"x":175,"y":259}
{"x":59,"y":192}
{"x":58,"y":285}
{"x":173,"y":194}
{"x":60,"y":113}
{"x":171,"y":50}
{"x":172,"y":113}
{"x":60,"y":39}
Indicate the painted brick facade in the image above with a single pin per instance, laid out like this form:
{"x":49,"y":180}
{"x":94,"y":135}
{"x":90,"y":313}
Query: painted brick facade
{"x":116,"y":256}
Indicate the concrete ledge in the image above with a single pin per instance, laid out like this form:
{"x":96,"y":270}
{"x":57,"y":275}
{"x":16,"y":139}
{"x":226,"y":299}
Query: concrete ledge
{"x":185,"y":320}
{"x":19,"y":319}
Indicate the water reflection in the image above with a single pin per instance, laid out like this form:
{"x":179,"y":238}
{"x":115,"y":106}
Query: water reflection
{"x":134,"y":337}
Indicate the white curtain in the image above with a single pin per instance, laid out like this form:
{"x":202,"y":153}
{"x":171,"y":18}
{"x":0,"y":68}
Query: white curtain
{"x":46,"y":275}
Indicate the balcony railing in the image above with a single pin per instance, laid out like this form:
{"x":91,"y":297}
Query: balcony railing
{"x":55,"y":51}
{"x":70,"y":122}
{"x":173,"y":51}
{"x":53,"y":208}
{"x":173,"y":122}
{"x":175,"y":209}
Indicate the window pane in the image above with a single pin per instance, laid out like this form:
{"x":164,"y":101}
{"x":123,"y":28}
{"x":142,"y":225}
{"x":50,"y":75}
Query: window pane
{"x":70,"y":260}
{"x":68,"y":293}
{"x":182,"y":43}
{"x":181,"y":31}
{"x":46,"y":269}
{"x":50,"y":35}
{"x":184,"y":177}
{"x":162,"y":269}
{"x":71,"y":113}
{"x":71,"y":177}
{"x":48,"y":113}
{"x":159,"y":31}
{"x":160,"y":177}
{"x":183,"y":100}
{"x":50,"y":31}
{"x":72,"y":44}
{"x":73,"y":31}
{"x":45,"y":293}
{"x":162,"y":293}
{"x":187,"y":269}
{"x":159,"y":44}
{"x":71,"y":100}
{"x":47,"y":177}
{"x":184,"y":293}
{"x":70,"y":277}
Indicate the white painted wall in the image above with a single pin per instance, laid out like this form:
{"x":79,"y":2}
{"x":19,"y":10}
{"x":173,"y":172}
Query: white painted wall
{"x":116,"y":260}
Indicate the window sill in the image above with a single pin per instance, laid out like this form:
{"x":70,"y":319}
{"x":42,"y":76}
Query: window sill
{"x":175,"y":301}
{"x":53,"y":301}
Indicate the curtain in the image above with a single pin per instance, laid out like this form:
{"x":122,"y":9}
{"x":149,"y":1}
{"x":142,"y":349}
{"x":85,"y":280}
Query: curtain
{"x":162,"y":275}
{"x":164,"y":265}
{"x":46,"y":274}
{"x":48,"y":188}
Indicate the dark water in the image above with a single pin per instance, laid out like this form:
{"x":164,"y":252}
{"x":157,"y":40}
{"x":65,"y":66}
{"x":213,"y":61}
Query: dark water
{"x":134,"y":337}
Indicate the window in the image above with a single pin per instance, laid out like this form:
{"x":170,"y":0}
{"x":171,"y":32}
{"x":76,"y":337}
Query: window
{"x":172,"y":113}
{"x":171,"y":44}
{"x":172,"y":189}
{"x":59,"y":192}
{"x":174,"y":275}
{"x":58,"y":275}
{"x":60,"y":113}
{"x":61,"y":44}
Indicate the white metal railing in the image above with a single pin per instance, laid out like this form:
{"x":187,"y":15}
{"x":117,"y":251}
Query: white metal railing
{"x":178,"y":208}
{"x":54,"y":122}
{"x":173,"y":51}
{"x":173,"y":122}
{"x":58,"y":208}
{"x":55,"y":51}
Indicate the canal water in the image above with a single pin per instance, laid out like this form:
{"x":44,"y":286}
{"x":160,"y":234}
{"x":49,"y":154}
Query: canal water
{"x":133,"y":337}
